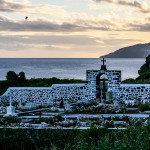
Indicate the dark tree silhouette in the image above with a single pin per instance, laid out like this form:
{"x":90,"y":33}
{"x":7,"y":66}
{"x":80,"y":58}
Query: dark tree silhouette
{"x":12,"y":78}
{"x":61,"y":104}
{"x":145,"y":67}
{"x":21,"y":77}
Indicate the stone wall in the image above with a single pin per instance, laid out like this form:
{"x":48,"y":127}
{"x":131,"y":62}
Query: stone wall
{"x":46,"y":94}
{"x":132,"y":91}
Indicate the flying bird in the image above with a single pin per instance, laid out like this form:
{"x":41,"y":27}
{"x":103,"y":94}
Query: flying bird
{"x":26,"y":17}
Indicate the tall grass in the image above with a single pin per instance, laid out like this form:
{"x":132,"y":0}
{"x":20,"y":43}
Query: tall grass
{"x":137,"y":138}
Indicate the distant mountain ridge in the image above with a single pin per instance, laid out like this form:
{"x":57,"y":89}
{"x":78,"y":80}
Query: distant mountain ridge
{"x":135,"y":51}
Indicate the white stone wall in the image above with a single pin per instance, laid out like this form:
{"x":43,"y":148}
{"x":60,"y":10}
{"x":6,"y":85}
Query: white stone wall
{"x":46,"y":94}
{"x":132,"y":91}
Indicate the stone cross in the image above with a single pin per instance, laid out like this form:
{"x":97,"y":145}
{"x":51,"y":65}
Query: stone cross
{"x":65,"y":118}
{"x":103,"y":61}
{"x":101,"y":95}
{"x":10,"y":97}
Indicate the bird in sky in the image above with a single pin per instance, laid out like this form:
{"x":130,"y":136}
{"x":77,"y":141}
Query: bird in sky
{"x":26,"y":17}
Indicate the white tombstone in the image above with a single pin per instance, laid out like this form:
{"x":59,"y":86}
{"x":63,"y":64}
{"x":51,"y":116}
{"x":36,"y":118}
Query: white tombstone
{"x":65,"y":118}
{"x":116,"y":103}
{"x":44,"y":124}
{"x":67,"y":107}
{"x":10,"y":111}
{"x":10,"y":108}
{"x":30,"y":105}
{"x":78,"y":118}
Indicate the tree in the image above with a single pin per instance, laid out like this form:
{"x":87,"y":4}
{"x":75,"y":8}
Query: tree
{"x":12,"y":78}
{"x":21,"y":77}
{"x":145,"y":67}
{"x":61,"y":104}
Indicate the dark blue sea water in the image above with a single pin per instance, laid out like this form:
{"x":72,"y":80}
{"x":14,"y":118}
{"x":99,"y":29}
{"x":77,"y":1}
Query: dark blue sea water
{"x":67,"y":67}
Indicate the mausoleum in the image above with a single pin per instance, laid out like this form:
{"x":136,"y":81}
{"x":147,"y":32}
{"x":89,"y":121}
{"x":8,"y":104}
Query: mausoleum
{"x":101,"y":84}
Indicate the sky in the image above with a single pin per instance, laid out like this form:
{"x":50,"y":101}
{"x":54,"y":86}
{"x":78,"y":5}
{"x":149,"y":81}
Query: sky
{"x":71,"y":28}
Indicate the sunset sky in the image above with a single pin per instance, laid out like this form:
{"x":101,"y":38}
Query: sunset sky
{"x":71,"y":28}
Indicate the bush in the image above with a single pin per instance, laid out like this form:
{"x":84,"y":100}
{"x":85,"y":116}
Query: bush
{"x":144,"y":107}
{"x":145,"y":75}
{"x":135,"y":138}
{"x":9,"y":120}
{"x":59,"y":118}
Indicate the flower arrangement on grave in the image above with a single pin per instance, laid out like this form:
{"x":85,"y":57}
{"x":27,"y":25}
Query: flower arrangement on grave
{"x":23,"y":103}
{"x":100,"y":122}
{"x":108,"y":124}
{"x":136,"y":121}
{"x":47,"y":120}
{"x":98,"y":109}
{"x":66,"y":123}
{"x":120,"y":118}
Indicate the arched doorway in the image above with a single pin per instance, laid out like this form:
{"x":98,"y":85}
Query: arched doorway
{"x":101,"y":86}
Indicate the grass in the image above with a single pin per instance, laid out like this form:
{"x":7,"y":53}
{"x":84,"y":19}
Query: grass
{"x":136,"y":138}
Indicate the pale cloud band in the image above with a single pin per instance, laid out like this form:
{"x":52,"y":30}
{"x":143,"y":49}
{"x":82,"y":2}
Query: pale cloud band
{"x":42,"y":9}
{"x":40,"y":25}
{"x":134,"y":4}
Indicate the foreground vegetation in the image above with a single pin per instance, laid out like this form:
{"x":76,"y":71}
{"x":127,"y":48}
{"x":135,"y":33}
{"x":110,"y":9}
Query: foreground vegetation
{"x":19,"y":80}
{"x":137,"y":138}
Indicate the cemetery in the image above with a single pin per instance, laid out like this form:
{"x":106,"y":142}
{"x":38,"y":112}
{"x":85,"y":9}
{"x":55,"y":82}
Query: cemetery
{"x":79,"y":115}
{"x":101,"y":102}
{"x":100,"y":113}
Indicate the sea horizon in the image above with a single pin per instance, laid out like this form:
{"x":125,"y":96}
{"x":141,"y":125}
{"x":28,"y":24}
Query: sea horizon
{"x":69,"y":68}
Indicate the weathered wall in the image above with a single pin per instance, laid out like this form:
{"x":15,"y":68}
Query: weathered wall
{"x":132,"y":91}
{"x":45,"y":94}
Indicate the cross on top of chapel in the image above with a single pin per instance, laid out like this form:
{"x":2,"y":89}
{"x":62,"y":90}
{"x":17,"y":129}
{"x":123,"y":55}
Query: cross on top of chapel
{"x":103,"y":66}
{"x":103,"y":60}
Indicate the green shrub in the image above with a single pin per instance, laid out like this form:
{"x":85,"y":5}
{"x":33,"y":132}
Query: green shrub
{"x":9,"y":120}
{"x":144,"y":107}
{"x":59,"y":118}
{"x":135,"y":138}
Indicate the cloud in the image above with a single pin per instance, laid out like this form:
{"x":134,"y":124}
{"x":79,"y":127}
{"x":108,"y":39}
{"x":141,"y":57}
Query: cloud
{"x":48,"y":42}
{"x":41,"y":25}
{"x":108,"y":1}
{"x":76,"y":25}
{"x":6,"y":6}
{"x":134,"y":4}
{"x":58,"y":42}
{"x":27,"y":8}
{"x":139,"y":27}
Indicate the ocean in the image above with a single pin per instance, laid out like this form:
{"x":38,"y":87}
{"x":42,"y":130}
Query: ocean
{"x":69,"y":68}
